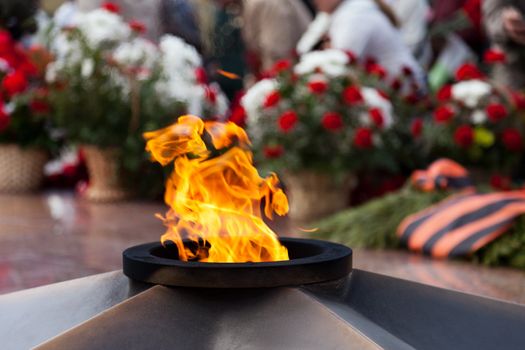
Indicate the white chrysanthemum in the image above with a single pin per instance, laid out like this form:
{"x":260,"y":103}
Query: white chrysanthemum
{"x":478,"y":117}
{"x":471,"y":92}
{"x":254,"y":98}
{"x":374,"y":99}
{"x":179,"y":57}
{"x":66,"y":49}
{"x":101,"y":27}
{"x":87,"y":68}
{"x":331,"y":62}
{"x":138,"y":52}
{"x":314,"y":33}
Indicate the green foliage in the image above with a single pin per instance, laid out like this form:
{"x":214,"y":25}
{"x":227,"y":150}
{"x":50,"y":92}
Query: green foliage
{"x":373,"y":225}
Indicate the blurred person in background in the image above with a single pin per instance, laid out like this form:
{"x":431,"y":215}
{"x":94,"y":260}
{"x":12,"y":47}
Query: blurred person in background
{"x":413,"y":18}
{"x":272,"y":29}
{"x":504,"y":21}
{"x":369,"y":29}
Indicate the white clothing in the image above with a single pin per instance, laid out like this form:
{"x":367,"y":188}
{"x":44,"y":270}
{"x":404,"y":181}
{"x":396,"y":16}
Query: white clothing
{"x":413,"y":20}
{"x":360,"y":26}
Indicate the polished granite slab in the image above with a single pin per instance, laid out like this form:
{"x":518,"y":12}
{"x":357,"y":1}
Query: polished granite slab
{"x":54,"y":236}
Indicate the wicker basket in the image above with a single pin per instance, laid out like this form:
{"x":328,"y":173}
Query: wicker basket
{"x":105,"y":184}
{"x":21,"y":170}
{"x":314,"y":195}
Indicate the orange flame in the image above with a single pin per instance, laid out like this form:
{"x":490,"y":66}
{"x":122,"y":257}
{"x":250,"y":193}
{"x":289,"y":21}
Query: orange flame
{"x":215,"y":193}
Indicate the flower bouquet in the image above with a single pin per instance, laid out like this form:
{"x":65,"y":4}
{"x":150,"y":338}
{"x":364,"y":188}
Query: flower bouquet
{"x":318,"y":125}
{"x":24,"y":116}
{"x":477,"y":123}
{"x":110,"y":85}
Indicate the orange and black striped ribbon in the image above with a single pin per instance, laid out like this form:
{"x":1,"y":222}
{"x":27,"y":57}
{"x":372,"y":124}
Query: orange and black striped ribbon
{"x":461,"y":224}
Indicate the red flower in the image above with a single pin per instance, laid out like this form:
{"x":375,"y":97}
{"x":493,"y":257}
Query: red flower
{"x":281,"y":66}
{"x":4,"y":119}
{"x":273,"y":151}
{"x":518,"y":98}
{"x":111,"y":7}
{"x":383,"y":94}
{"x":287,"y":121}
{"x":464,"y":136}
{"x":317,"y":87}
{"x":500,"y":182}
{"x":443,"y":114}
{"x":377,"y":70}
{"x":210,"y":95}
{"x":512,"y":140}
{"x":352,"y":57}
{"x":416,"y":128}
{"x":494,"y":56}
{"x":332,"y":121}
{"x":6,"y":42}
{"x":238,"y":116}
{"x":14,"y":83}
{"x":377,"y":117}
{"x":272,"y":99}
{"x":468,"y":71}
{"x":407,"y":71}
{"x":445,"y":93}
{"x":352,"y":95}
{"x":137,"y":26}
{"x":201,"y":76}
{"x":472,"y":9}
{"x":39,"y":106}
{"x":363,"y":138}
{"x":396,"y":85}
{"x":496,"y":112}
{"x":412,"y":98}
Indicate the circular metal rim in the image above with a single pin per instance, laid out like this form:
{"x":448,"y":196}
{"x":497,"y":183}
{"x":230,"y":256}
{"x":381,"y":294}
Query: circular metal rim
{"x":334,"y":261}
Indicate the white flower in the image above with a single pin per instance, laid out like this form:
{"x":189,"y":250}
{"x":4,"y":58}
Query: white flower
{"x":374,"y":99}
{"x":331,"y":62}
{"x":137,"y":53}
{"x":254,"y":98}
{"x":102,"y":27}
{"x":471,"y":92}
{"x":87,"y":68}
{"x":179,"y":58}
{"x":478,"y":117}
{"x":314,"y":33}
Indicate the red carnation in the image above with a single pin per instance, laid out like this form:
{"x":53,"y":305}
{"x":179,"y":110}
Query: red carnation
{"x":500,"y":182}
{"x":238,"y":116}
{"x":39,"y":106}
{"x":111,"y":7}
{"x":273,"y":151}
{"x":332,"y":121}
{"x":376,"y":69}
{"x":287,"y":121}
{"x":4,"y":119}
{"x":281,"y":66}
{"x":352,"y":57}
{"x":317,"y":87}
{"x":377,"y":117}
{"x":272,"y":99}
{"x":443,"y":114}
{"x":201,"y":76}
{"x":352,"y":95}
{"x":14,"y":83}
{"x":363,"y":138}
{"x":494,"y":56}
{"x":519,"y":100}
{"x":407,"y":71}
{"x":496,"y":112}
{"x":137,"y":26}
{"x":416,"y":128}
{"x":445,"y":93}
{"x":512,"y":140}
{"x":6,"y":42}
{"x":210,"y":95}
{"x":464,"y":136}
{"x":468,"y":71}
{"x":396,"y":85}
